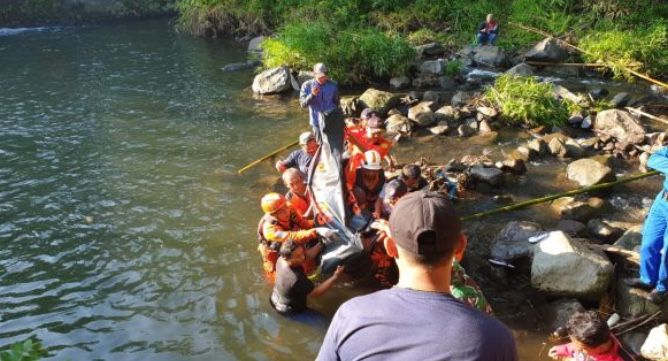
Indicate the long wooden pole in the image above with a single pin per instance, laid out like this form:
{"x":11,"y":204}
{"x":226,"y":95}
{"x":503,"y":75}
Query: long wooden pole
{"x":607,"y":62}
{"x":650,"y":116}
{"x":267,"y":156}
{"x":535,"y":201}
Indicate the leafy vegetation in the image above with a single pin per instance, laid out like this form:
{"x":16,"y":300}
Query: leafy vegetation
{"x":28,"y":350}
{"x":525,"y":101}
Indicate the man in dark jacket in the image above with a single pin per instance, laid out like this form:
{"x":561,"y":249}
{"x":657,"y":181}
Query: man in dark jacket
{"x":487,"y":31}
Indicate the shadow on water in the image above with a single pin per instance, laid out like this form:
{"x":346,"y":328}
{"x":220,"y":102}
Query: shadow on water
{"x":125,"y":232}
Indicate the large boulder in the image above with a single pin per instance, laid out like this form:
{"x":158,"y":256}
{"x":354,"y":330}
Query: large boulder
{"x":548,"y":49}
{"x":656,"y":344}
{"x":491,"y":176}
{"x":422,"y":113}
{"x":521,"y":69}
{"x":513,"y":240}
{"x":603,"y":230}
{"x":630,"y":302}
{"x":559,"y":311}
{"x":490,"y":55}
{"x":631,"y":239}
{"x":255,"y":45}
{"x":379,"y":100}
{"x":398,"y":124}
{"x":429,"y":49}
{"x":620,"y":125}
{"x":587,"y":172}
{"x":564,"y":266}
{"x":435,"y":67}
{"x":271,"y":81}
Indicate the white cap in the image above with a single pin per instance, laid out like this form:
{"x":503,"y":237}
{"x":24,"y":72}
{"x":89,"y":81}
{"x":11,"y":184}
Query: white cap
{"x":319,"y":69}
{"x":372,"y":160}
{"x":305,"y":137}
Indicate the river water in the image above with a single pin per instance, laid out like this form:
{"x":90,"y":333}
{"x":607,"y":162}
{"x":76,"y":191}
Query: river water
{"x":125,"y":233}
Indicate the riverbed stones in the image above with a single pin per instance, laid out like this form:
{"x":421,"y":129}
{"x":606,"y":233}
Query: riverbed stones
{"x":512,"y":242}
{"x":587,"y":172}
{"x":538,"y":146}
{"x":487,"y":112}
{"x":571,"y":227}
{"x":484,"y":127}
{"x":398,"y":124}
{"x":549,"y":49}
{"x":448,"y":113}
{"x":631,"y":239}
{"x":603,"y":230}
{"x":621,"y":125}
{"x":429,"y":49}
{"x":630,"y":302}
{"x":461,"y":98}
{"x":447,"y":82}
{"x":565,"y":266}
{"x":434,"y":67}
{"x":557,"y":147}
{"x":422,"y":113}
{"x":491,"y":176}
{"x":560,"y":310}
{"x":255,"y":45}
{"x":576,"y":209}
{"x":490,"y":55}
{"x":272,"y":81}
{"x":400,"y":82}
{"x":441,"y":128}
{"x":379,"y":100}
{"x":620,"y":100}
{"x":521,"y":69}
{"x":655,"y":346}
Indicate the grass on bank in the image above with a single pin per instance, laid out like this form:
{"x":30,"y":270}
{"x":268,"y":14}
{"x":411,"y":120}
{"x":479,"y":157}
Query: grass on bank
{"x":525,"y":101}
{"x":27,"y":350}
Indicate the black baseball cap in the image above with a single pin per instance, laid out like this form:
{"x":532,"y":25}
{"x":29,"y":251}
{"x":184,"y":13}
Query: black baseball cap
{"x":425,"y":223}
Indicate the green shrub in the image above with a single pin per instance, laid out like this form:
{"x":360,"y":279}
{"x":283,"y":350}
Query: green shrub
{"x":524,"y":100}
{"x":453,"y":67}
{"x":353,"y":55}
{"x":28,"y":350}
{"x":643,"y":49}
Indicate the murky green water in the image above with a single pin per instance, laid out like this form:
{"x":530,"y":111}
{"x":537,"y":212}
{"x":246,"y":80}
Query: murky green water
{"x":125,"y":233}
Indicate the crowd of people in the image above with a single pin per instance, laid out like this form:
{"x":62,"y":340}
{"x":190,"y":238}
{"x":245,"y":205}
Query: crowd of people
{"x":428,"y":308}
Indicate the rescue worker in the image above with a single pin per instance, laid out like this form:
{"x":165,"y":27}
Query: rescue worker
{"x":297,"y":195}
{"x":281,"y":223}
{"x":654,"y":245}
{"x":301,"y":158}
{"x":370,"y":179}
{"x":487,"y":31}
{"x":359,"y":144}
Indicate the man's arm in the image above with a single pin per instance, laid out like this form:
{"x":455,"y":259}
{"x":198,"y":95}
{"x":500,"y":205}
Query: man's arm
{"x":320,"y":289}
{"x":305,"y":95}
{"x":659,"y":160}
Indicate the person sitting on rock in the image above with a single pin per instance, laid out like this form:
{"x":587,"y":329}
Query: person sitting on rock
{"x":487,"y":31}
{"x":301,"y":158}
{"x":281,"y":223}
{"x":292,"y":287}
{"x":590,"y":340}
{"x":411,"y":175}
{"x":297,"y":194}
{"x":369,"y":182}
{"x":654,"y":245}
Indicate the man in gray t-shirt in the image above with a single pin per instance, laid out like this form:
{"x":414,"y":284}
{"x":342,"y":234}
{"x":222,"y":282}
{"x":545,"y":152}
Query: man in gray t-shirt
{"x":418,"y":319}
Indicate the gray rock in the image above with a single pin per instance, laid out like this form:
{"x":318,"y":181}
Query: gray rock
{"x":655,"y":347}
{"x":303,"y":76}
{"x":513,"y":165}
{"x":490,"y":56}
{"x":634,"y":340}
{"x":563,"y":93}
{"x":571,"y":227}
{"x":349,"y":106}
{"x":521,"y":69}
{"x":422,"y":113}
{"x":564,"y":266}
{"x":432,"y":96}
{"x":573,"y":149}
{"x":426,"y":81}
{"x":255,"y":45}
{"x":557,"y":147}
{"x":435,"y":67}
{"x":484,"y":127}
{"x":631,"y":239}
{"x":400,"y":82}
{"x":587,"y":172}
{"x":478,"y":76}
{"x":598,"y":93}
{"x":234,"y":67}
{"x":380,"y":100}
{"x":448,"y":113}
{"x":589,"y":143}
{"x":620,"y":125}
{"x":487,"y":112}
{"x":447,"y":83}
{"x":571,"y":208}
{"x":398,"y":124}
{"x":601,"y":229}
{"x":559,"y":311}
{"x":461,"y":98}
{"x":271,"y":81}
{"x":575,"y":120}
{"x":586,"y":122}
{"x":430,"y":49}
{"x":512,"y":242}
{"x":630,"y":302}
{"x":440,"y":129}
{"x":538,"y":146}
{"x":621,"y":100}
{"x":491,"y":176}
{"x":465,"y":131}
{"x":549,"y":50}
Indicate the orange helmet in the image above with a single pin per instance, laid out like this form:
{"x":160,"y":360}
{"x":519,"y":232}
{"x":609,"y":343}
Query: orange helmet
{"x":272,"y":202}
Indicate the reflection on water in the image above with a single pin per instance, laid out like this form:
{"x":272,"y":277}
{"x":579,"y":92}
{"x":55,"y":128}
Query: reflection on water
{"x":125,"y":232}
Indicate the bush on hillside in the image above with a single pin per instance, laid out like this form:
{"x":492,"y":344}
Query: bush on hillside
{"x":525,"y":101}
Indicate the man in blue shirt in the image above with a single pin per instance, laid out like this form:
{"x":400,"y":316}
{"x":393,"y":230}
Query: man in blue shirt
{"x":418,"y":319}
{"x":301,"y":158}
{"x":321,"y":95}
{"x":654,"y":248}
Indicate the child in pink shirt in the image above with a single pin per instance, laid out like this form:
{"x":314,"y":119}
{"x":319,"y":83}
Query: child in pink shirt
{"x":591,"y":340}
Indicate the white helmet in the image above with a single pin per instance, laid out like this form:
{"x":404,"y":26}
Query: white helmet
{"x":372,"y":160}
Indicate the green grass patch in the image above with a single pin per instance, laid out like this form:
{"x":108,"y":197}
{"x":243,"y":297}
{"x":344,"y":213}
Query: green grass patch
{"x":27,"y":350}
{"x":525,"y":101}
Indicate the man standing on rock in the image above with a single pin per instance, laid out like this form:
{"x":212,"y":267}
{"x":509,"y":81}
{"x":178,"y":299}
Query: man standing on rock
{"x":654,"y":246}
{"x":418,"y":319}
{"x":321,"y":95}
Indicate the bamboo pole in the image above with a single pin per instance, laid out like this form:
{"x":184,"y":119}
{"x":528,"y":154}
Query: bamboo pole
{"x":539,"y":200}
{"x":607,"y":62}
{"x":267,"y":156}
{"x":650,"y":116}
